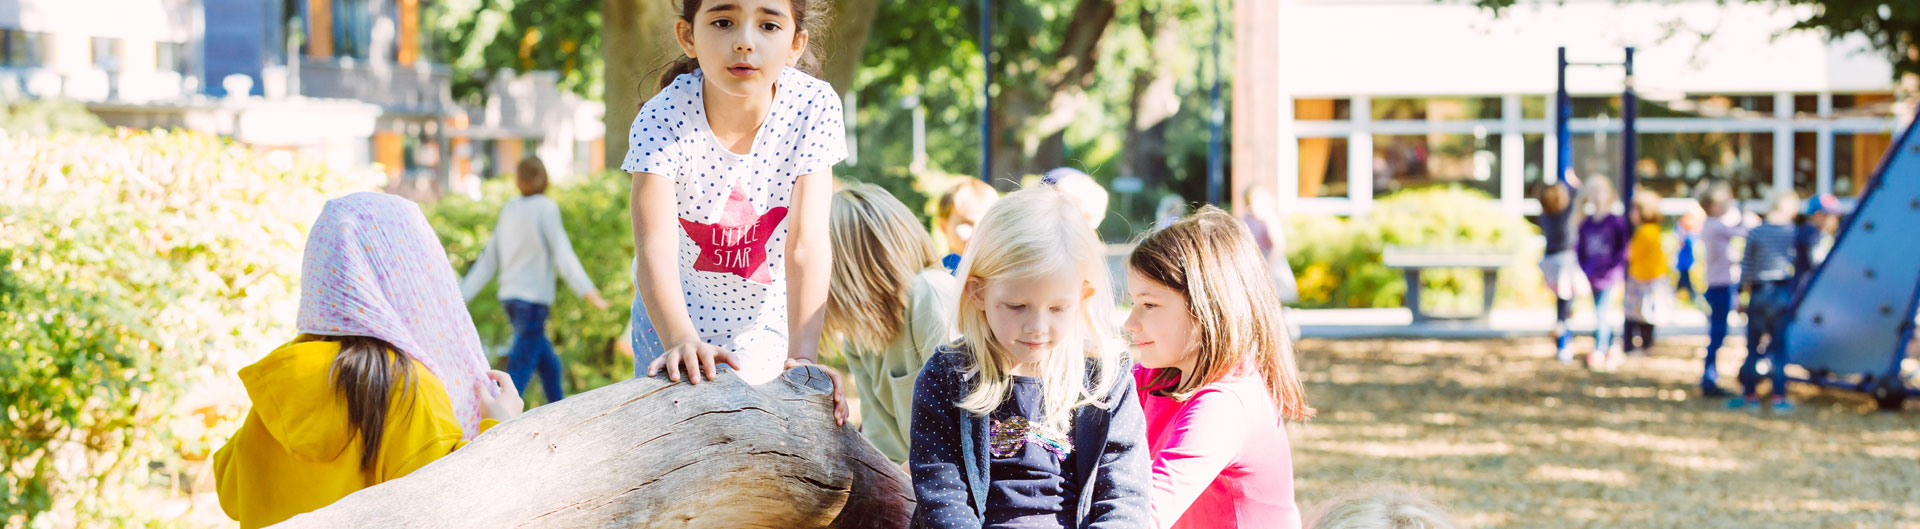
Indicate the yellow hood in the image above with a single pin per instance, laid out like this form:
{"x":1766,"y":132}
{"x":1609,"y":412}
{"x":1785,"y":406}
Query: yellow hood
{"x":292,"y":392}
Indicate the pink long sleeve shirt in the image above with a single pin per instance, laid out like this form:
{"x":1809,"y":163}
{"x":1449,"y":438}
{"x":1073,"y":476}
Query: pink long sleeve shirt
{"x":1219,"y":459}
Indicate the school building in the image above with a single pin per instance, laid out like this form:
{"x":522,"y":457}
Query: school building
{"x":347,"y":82}
{"x":1341,"y":102}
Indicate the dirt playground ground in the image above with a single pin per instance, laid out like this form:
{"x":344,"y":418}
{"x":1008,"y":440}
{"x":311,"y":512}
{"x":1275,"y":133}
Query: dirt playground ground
{"x":1505,"y":436}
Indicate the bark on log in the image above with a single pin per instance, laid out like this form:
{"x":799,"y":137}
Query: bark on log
{"x":649,"y":453}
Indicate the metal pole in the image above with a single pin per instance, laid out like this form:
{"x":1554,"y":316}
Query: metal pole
{"x":986,"y":91}
{"x":1216,"y":161}
{"x":1629,"y":140}
{"x":1629,"y":160}
{"x":1564,"y":111}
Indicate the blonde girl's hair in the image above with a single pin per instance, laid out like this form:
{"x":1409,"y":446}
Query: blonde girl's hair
{"x":1212,"y":260}
{"x":1379,"y":508}
{"x":1029,"y":233}
{"x":1590,"y":194}
{"x":878,"y":248}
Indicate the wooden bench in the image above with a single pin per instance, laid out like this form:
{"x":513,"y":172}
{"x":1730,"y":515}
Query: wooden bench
{"x":1412,"y":260}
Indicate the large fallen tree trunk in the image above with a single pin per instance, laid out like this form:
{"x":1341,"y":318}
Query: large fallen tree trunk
{"x":649,"y":453}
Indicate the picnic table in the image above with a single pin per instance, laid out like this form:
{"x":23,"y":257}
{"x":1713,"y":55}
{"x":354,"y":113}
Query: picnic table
{"x":1413,"y":260}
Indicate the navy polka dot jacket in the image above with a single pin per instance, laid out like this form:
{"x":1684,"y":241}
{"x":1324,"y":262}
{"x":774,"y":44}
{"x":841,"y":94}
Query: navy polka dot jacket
{"x":949,"y":453}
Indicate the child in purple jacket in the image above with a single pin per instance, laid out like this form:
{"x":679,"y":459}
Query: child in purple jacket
{"x":1602,"y":250}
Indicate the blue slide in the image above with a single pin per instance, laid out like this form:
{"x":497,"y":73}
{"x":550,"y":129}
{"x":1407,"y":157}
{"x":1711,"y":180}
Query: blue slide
{"x":1856,"y":315}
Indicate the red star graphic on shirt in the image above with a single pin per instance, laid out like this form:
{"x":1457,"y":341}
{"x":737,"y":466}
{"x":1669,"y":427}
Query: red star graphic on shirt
{"x":737,"y":244}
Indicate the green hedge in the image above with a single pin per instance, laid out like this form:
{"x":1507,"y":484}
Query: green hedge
{"x":1336,"y":260}
{"x":140,"y":271}
{"x":594,"y":209}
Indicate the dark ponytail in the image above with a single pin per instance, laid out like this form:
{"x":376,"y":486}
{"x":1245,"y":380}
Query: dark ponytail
{"x":364,"y":374}
{"x":804,"y":19}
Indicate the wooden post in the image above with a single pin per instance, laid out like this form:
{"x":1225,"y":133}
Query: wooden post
{"x":649,"y":453}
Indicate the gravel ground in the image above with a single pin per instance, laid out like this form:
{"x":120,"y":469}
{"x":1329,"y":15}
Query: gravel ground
{"x":1505,"y":436}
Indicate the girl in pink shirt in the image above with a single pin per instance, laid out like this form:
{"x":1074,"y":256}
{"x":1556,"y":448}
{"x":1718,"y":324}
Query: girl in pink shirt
{"x":1216,"y":376}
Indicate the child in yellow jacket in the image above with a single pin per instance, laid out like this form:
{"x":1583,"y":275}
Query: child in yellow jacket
{"x":385,"y":377}
{"x":1647,"y":294}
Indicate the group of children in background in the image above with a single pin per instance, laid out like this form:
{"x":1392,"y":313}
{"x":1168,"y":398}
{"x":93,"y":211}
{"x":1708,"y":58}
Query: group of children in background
{"x":995,"y":375}
{"x":1583,"y":226}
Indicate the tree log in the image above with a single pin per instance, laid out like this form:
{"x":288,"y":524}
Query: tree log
{"x":650,"y":453}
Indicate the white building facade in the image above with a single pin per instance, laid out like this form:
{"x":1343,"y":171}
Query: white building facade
{"x":1389,"y":95}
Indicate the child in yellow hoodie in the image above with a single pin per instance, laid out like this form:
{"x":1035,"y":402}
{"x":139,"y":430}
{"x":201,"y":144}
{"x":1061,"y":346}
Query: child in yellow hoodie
{"x":385,"y":376}
{"x":1647,"y":294}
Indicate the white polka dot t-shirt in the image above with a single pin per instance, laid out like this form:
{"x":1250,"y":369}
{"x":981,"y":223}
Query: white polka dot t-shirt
{"x":733,"y":207}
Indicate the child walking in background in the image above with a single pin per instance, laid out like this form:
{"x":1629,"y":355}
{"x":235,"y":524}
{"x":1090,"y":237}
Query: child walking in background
{"x":1263,"y":221}
{"x":385,"y":376}
{"x":889,"y":306}
{"x":1559,"y":266}
{"x":732,"y":170}
{"x":1029,"y":419}
{"x":1216,"y":377}
{"x":958,"y":213}
{"x":1647,"y":294}
{"x":1722,"y":225}
{"x":1813,"y":237}
{"x":528,"y":245}
{"x":1766,"y":273}
{"x":1602,"y":249}
{"x":1688,"y":229}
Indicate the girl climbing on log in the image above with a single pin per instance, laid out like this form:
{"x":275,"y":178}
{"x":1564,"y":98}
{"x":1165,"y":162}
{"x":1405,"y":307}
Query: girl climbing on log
{"x":732,"y":176}
{"x":385,"y":376}
{"x":1028,"y":419}
{"x":1216,"y":376}
{"x":889,"y":305}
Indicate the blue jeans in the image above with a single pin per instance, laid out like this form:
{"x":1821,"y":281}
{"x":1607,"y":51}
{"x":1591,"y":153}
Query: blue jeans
{"x":1719,"y":307}
{"x":1766,"y":328}
{"x":531,"y":350}
{"x":645,"y":339}
{"x":1602,"y":325}
{"x":647,"y":346}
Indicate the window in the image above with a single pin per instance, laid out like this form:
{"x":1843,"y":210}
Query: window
{"x":22,"y":49}
{"x":352,"y":29}
{"x":170,"y":57}
{"x":1322,"y":110}
{"x":1407,"y":162}
{"x":1878,"y":105}
{"x":1436,"y":109}
{"x":1534,"y":168}
{"x":1323,"y":167}
{"x":1855,"y":156}
{"x":1533,"y":107}
{"x":106,"y":53}
{"x":1711,"y":106}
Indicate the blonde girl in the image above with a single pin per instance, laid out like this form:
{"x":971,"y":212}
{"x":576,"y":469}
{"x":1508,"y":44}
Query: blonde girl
{"x":1027,"y":419}
{"x":1216,"y":376}
{"x":888,"y":306}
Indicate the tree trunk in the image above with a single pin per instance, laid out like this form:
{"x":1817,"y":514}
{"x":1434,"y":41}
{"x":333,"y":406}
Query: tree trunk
{"x":637,"y":36}
{"x":1153,"y":102}
{"x":649,"y":453}
{"x":845,"y":40}
{"x":1025,"y":118}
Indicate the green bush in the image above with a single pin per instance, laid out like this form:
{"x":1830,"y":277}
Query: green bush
{"x":140,"y":271}
{"x":594,"y":210}
{"x":1337,"y":260}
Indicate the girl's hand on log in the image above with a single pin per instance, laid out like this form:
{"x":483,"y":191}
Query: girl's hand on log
{"x":840,"y":410}
{"x":501,"y":402}
{"x":697,"y":357}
